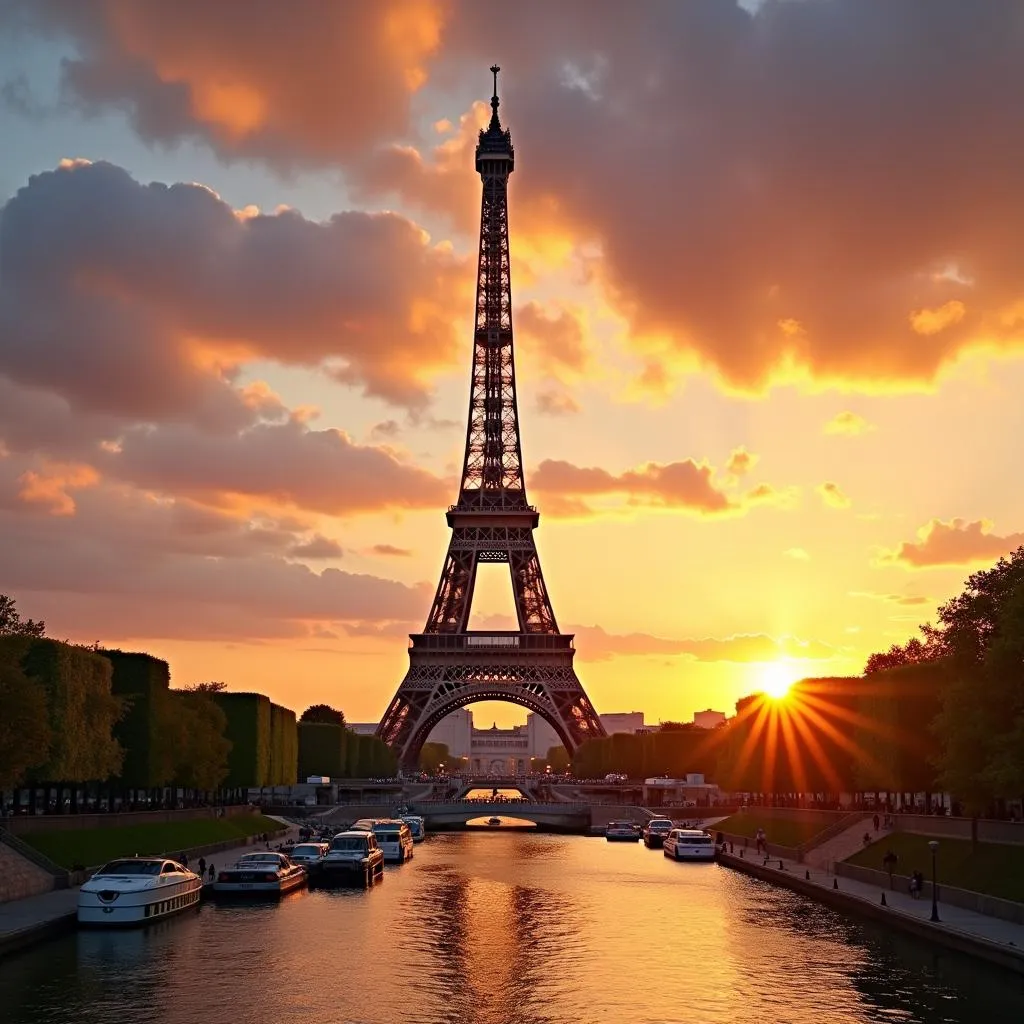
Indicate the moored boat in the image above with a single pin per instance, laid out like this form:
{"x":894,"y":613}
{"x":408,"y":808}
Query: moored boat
{"x":260,"y":874}
{"x":135,"y":890}
{"x":621,"y":832}
{"x":353,"y":856}
{"x":689,"y":844}
{"x":394,"y":839}
{"x":655,"y":832}
{"x":494,"y":822}
{"x":417,"y":827}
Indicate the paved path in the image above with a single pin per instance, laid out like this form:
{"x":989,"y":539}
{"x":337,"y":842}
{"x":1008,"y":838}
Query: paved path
{"x":844,"y":845}
{"x":968,"y":926}
{"x":25,"y":921}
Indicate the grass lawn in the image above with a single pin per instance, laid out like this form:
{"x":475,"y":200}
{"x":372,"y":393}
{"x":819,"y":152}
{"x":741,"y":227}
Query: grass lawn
{"x":997,"y":869}
{"x":94,"y":846}
{"x":776,"y":830}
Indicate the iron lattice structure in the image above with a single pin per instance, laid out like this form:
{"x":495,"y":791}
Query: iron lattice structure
{"x":450,"y":665}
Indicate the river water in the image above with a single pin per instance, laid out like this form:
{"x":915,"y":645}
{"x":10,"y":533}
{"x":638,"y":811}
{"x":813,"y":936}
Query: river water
{"x":505,"y":927}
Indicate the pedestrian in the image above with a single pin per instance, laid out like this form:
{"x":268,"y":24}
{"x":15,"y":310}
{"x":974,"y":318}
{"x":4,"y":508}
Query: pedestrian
{"x":184,"y":861}
{"x":889,"y":862}
{"x":211,"y":871}
{"x":202,"y":866}
{"x":876,"y":822}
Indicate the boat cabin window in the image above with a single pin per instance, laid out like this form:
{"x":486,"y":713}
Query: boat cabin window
{"x":130,"y":867}
{"x":349,"y":844}
{"x":169,"y":868}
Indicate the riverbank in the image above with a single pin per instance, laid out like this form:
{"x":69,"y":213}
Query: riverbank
{"x":24,"y":923}
{"x":965,"y":931}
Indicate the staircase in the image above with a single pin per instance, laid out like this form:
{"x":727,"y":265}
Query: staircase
{"x":838,"y":847}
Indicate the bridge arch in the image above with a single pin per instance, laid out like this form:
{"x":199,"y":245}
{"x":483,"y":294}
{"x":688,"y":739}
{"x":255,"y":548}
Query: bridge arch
{"x":411,"y":754}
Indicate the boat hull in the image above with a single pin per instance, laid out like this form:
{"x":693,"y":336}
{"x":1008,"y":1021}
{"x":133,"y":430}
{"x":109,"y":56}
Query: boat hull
{"x":264,"y":890}
{"x":139,"y":907}
{"x":695,"y":855}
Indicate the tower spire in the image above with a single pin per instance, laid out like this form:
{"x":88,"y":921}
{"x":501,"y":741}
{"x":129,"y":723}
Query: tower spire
{"x":495,"y":123}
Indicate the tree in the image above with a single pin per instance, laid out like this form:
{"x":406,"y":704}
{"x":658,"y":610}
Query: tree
{"x":323,"y":713}
{"x":558,"y":759}
{"x":202,"y":748}
{"x":211,"y":687}
{"x":433,"y":755}
{"x":913,"y":652}
{"x":24,"y":725}
{"x":11,"y":623}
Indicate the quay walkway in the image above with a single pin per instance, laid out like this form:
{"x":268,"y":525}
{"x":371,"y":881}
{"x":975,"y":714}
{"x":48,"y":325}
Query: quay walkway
{"x":966,"y":931}
{"x":28,"y":921}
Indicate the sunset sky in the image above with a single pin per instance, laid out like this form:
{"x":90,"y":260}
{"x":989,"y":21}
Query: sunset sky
{"x":768,"y":276}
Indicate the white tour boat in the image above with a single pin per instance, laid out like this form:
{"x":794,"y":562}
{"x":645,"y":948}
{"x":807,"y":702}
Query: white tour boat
{"x":417,"y":826}
{"x":394,"y":839}
{"x":134,"y":890}
{"x":260,"y":874}
{"x":689,"y":844}
{"x":621,"y":832}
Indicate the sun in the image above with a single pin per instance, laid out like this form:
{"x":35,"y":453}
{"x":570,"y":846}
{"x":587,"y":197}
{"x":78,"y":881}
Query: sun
{"x":776,"y":678}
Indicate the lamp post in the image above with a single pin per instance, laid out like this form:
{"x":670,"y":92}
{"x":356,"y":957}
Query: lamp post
{"x":934,"y":847}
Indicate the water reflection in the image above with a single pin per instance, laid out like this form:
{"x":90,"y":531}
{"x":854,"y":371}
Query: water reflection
{"x":520,"y":928}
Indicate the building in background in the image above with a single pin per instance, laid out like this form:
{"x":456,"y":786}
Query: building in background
{"x":455,"y":731}
{"x":708,"y":719}
{"x":362,"y":728}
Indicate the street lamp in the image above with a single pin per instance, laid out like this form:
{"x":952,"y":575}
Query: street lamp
{"x":934,"y":847}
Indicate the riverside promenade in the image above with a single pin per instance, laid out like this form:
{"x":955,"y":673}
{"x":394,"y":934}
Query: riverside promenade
{"x":966,"y":931}
{"x":26,"y":922}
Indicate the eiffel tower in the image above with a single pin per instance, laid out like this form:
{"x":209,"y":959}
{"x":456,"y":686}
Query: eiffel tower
{"x":450,"y":665}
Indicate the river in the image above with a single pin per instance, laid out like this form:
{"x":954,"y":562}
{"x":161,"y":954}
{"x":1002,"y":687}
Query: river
{"x":510,"y":928}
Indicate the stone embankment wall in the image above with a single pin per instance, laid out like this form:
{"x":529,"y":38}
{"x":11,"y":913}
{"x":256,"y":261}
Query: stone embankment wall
{"x":19,"y":877}
{"x":20,"y":824}
{"x":1006,"y":910}
{"x":1011,"y":832}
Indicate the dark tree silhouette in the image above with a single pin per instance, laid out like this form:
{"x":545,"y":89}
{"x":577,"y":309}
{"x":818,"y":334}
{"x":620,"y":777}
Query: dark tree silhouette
{"x":323,"y":713}
{"x":11,"y":623}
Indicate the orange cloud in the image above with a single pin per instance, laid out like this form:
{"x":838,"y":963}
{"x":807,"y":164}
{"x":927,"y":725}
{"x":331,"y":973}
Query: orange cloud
{"x":957,"y":542}
{"x":848,"y":424}
{"x":741,"y":461}
{"x":551,"y":402}
{"x":832,"y":495}
{"x":50,"y":487}
{"x":687,"y":485}
{"x":169,"y":292}
{"x":555,"y":342}
{"x":390,"y":551}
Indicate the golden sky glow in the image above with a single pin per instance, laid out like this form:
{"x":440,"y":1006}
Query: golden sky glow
{"x":769,"y":395}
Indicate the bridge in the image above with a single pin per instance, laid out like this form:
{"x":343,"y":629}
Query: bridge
{"x":448,"y":814}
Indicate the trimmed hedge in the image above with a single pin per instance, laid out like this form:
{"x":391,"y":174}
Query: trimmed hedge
{"x":248,"y":716}
{"x":322,"y":750}
{"x":82,"y":709}
{"x":284,"y":746}
{"x":144,"y":731}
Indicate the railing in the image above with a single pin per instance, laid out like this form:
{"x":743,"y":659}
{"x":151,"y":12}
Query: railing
{"x":32,"y":854}
{"x":492,"y":641}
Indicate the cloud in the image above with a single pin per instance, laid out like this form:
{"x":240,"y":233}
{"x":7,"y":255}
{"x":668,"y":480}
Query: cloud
{"x":848,"y":424}
{"x":127,"y":564}
{"x":142,"y":300}
{"x":552,"y":402}
{"x":905,"y":600}
{"x":832,"y":495}
{"x":555,"y":341}
{"x":957,"y":542}
{"x":316,"y":547}
{"x":687,"y":485}
{"x":227,"y":76}
{"x":741,"y":462}
{"x":51,"y":487}
{"x":797,"y":553}
{"x":390,"y":551}
{"x":594,"y":644}
{"x":279,"y":464}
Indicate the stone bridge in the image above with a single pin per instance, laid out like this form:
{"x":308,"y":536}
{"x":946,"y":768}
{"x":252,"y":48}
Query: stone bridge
{"x":455,"y":813}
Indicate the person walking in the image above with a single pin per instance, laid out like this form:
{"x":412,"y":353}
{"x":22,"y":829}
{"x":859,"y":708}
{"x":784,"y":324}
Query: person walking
{"x":875,"y":822}
{"x":211,"y":871}
{"x":202,"y":866}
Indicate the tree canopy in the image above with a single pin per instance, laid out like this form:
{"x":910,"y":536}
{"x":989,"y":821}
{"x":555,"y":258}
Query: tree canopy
{"x":12,"y":624}
{"x":324,"y":714}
